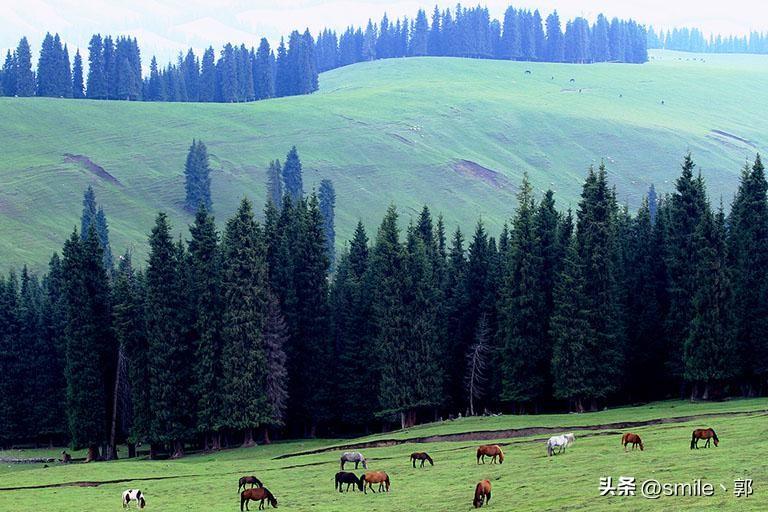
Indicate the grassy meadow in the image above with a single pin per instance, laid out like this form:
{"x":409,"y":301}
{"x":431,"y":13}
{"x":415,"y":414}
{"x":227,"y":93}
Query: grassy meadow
{"x":528,"y":479}
{"x":455,"y":133}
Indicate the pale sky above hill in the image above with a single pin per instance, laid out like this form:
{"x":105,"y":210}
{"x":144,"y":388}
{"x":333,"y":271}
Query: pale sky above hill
{"x":164,"y":27}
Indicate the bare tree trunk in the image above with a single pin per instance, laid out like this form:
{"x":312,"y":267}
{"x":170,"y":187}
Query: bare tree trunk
{"x":266,"y":439}
{"x":248,"y":438}
{"x":92,"y":455}
{"x":402,"y":420}
{"x":705,"y":396}
{"x":178,"y":449}
{"x":131,"y":450}
{"x":153,"y":451}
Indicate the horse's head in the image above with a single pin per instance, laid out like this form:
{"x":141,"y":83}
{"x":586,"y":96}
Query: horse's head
{"x":142,"y":502}
{"x":360,"y":482}
{"x":365,"y":463}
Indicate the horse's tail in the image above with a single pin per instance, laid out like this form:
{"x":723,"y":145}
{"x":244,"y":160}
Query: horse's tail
{"x":242,"y":500}
{"x":693,"y":439}
{"x":336,"y":482}
{"x":387,"y":481}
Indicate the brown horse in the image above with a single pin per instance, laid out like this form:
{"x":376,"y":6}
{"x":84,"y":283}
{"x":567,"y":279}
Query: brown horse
{"x":491,"y":450}
{"x":482,"y":493}
{"x":703,"y":433}
{"x":374,"y":477}
{"x":422,"y":456}
{"x":259,"y":494}
{"x":628,"y":438}
{"x":248,"y":480}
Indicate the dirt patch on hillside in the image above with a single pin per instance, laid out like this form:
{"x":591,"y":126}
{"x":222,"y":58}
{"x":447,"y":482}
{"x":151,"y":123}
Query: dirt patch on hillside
{"x":476,"y":171}
{"x":92,"y":167}
{"x":401,"y":139}
{"x":488,"y":435}
{"x":729,"y":137}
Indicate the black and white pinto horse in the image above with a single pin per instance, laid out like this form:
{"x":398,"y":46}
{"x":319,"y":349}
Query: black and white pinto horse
{"x":134,"y":495}
{"x":355,"y":457}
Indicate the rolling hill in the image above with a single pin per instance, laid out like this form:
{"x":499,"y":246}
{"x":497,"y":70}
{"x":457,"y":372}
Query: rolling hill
{"x":454,"y":133}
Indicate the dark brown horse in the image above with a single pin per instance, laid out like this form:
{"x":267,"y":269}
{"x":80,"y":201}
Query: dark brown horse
{"x":342,"y":477}
{"x":491,"y":450}
{"x":482,"y":493}
{"x":634,"y":439}
{"x":259,"y":494}
{"x":249,"y":480}
{"x":374,"y":477}
{"x":703,"y":433}
{"x":423,"y":457}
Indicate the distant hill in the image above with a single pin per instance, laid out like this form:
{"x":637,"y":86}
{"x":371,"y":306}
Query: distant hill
{"x":454,"y":133}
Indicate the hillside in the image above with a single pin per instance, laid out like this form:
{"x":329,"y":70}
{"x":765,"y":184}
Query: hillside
{"x":300,"y":473}
{"x":454,"y":133}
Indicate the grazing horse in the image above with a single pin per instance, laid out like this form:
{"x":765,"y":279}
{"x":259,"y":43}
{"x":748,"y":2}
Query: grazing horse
{"x":374,"y":477}
{"x":482,"y":493}
{"x":422,"y":456}
{"x":527,"y":71}
{"x":491,"y":450}
{"x":257,"y":494}
{"x":248,"y":480}
{"x":560,"y":442}
{"x":628,"y":438}
{"x":703,"y":433}
{"x":342,"y":477}
{"x":355,"y":457}
{"x":134,"y":495}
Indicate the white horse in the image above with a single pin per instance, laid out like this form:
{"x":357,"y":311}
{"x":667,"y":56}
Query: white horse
{"x":355,"y":457}
{"x":134,"y":495}
{"x":560,"y":442}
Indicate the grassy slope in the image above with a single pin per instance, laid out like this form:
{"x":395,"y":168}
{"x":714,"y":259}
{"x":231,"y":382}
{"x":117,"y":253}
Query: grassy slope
{"x":528,"y":480}
{"x":386,"y":131}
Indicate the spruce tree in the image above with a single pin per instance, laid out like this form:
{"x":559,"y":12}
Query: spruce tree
{"x":168,"y":354}
{"x":276,"y":381}
{"x":89,"y":344}
{"x":263,"y":75}
{"x":245,"y":299}
{"x":205,"y":285}
{"x":275,"y":183}
{"x":197,"y":177}
{"x":327,"y":197}
{"x":10,"y":362}
{"x":97,"y":80}
{"x":748,"y":254}
{"x":292,"y":175}
{"x":207,"y":87}
{"x":9,"y":75}
{"x":25,"y":77}
{"x":709,"y":351}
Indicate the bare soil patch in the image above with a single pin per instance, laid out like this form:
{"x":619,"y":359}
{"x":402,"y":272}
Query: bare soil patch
{"x":92,"y":167}
{"x":476,"y":171}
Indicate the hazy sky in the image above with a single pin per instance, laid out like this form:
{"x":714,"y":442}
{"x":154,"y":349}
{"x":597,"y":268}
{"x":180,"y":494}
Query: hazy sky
{"x":164,"y":27}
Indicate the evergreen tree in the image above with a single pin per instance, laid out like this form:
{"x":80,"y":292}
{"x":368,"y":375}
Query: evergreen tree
{"x":245,"y":298}
{"x":25,"y":77}
{"x":205,"y":285}
{"x":207,"y":86}
{"x":419,"y":35}
{"x":292,"y":178}
{"x":89,"y":345}
{"x":97,"y":80}
{"x":748,"y":254}
{"x":275,"y":183}
{"x":276,"y":380}
{"x":11,"y":362}
{"x":197,"y":177}
{"x":169,"y":352}
{"x":9,"y":75}
{"x":708,"y":352}
{"x":327,"y":197}
{"x":686,"y":209}
{"x":522,"y":308}
{"x":263,"y":76}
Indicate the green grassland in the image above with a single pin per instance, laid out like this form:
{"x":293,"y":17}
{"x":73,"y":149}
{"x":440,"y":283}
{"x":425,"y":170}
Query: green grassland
{"x":455,"y":133}
{"x":528,"y":480}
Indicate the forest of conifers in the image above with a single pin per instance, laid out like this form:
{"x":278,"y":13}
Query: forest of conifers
{"x":223,"y":337}
{"x":242,"y":74}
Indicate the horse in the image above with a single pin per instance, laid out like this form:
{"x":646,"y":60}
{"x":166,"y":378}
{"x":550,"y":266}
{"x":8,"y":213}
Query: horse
{"x":343,"y":477}
{"x":355,"y":457}
{"x":491,"y":450}
{"x":422,"y":456}
{"x":560,"y":442}
{"x":257,"y":494}
{"x":527,"y":71}
{"x":248,"y":480}
{"x":134,"y":495}
{"x":374,"y":477}
{"x":631,"y":438}
{"x":482,"y":493}
{"x":65,"y":457}
{"x":703,"y":433}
